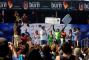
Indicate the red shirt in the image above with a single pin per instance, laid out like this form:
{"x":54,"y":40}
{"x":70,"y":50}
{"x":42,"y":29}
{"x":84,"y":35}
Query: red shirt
{"x":24,"y":38}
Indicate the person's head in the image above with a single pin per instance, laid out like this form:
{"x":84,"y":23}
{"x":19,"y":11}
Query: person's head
{"x":81,"y":6}
{"x":10,"y":3}
{"x":78,"y":29}
{"x":86,"y":51}
{"x":65,"y":4}
{"x":23,"y":34}
{"x":66,"y":48}
{"x":46,"y":49}
{"x":36,"y":31}
{"x":33,"y":55}
{"x":21,"y":46}
{"x":74,"y":29}
{"x":77,"y":51}
{"x":70,"y":31}
{"x":43,"y":27}
{"x":4,"y":49}
{"x":24,"y":37}
{"x":24,"y":47}
{"x":58,"y":30}
{"x":51,"y":32}
{"x":25,"y":3}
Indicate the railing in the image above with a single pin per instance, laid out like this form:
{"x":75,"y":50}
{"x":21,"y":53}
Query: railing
{"x":85,"y":43}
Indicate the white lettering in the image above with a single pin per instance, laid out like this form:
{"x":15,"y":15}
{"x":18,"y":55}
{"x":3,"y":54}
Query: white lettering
{"x":34,"y":4}
{"x":2,"y":4}
{"x":56,"y":5}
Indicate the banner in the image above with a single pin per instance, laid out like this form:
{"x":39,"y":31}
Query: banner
{"x":48,"y":27}
{"x":48,"y":5}
{"x":52,"y":20}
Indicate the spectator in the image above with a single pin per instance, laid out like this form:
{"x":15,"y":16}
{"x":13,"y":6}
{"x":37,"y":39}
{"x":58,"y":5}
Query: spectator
{"x":77,"y":53}
{"x":53,"y":49}
{"x":74,"y":39}
{"x":67,"y":53}
{"x":46,"y":51}
{"x":37,"y":38}
{"x":24,"y":37}
{"x":4,"y":50}
{"x":16,"y":36}
{"x":50,"y":38}
{"x":43,"y":36}
{"x":63,"y":36}
{"x":70,"y":37}
{"x":34,"y":55}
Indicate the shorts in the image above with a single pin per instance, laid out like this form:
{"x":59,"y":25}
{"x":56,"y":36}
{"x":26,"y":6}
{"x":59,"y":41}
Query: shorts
{"x":43,"y":42}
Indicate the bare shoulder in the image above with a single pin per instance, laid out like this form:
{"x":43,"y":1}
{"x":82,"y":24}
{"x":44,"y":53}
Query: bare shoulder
{"x":57,"y":57}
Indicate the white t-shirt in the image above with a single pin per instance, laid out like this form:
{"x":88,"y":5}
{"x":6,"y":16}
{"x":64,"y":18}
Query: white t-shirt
{"x":74,"y":36}
{"x":37,"y":39}
{"x":43,"y":35}
{"x":24,"y":28}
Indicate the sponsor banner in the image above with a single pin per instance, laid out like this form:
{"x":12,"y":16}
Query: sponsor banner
{"x":52,"y":20}
{"x":48,"y":5}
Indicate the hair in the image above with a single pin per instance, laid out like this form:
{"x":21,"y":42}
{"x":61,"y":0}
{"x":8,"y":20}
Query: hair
{"x":77,"y":51}
{"x":46,"y":48}
{"x":66,"y":48}
{"x":36,"y":31}
{"x":53,"y":47}
{"x":78,"y":28}
{"x":58,"y":30}
{"x":34,"y":55}
{"x":22,"y":34}
{"x":74,"y":29}
{"x":70,"y":30}
{"x":46,"y":52}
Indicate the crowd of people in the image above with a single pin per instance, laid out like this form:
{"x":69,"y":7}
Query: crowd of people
{"x":44,"y":46}
{"x":10,"y":16}
{"x":49,"y":35}
{"x":26,"y":50}
{"x":44,"y":43}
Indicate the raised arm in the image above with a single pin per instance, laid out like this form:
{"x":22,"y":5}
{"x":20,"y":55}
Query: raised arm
{"x":63,"y":28}
{"x":53,"y":28}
